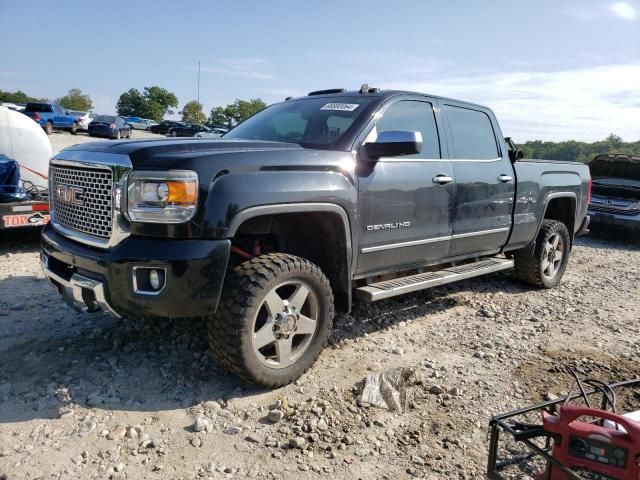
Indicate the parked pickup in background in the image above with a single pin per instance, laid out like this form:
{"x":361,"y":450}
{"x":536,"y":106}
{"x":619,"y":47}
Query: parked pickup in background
{"x":616,"y":191}
{"x":304,"y":206}
{"x":52,"y":116}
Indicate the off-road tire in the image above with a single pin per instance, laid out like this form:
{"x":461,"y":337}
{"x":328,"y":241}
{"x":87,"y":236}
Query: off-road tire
{"x":231,"y":327}
{"x":529,"y":266}
{"x":48,"y":128}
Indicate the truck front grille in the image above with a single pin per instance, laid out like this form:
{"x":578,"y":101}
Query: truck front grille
{"x":615,"y":210}
{"x":82,"y":199}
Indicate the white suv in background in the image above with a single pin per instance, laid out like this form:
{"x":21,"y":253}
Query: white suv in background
{"x":84,"y":119}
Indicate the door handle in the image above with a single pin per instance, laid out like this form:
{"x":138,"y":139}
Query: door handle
{"x":504,"y":178}
{"x":442,"y":179}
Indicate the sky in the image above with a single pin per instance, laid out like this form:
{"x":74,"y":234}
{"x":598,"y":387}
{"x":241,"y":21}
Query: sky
{"x":550,"y":69}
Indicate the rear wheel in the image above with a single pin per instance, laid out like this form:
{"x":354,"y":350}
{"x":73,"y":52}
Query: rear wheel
{"x":173,"y":133}
{"x":74,"y":128}
{"x":48,"y":128}
{"x":273,"y":320}
{"x":545,"y":265}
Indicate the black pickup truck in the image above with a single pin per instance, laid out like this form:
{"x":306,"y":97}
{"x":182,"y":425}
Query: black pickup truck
{"x":299,"y":208}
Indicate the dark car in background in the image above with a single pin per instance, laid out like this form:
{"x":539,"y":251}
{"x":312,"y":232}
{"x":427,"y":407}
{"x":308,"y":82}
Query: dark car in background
{"x":110,"y":126}
{"x":163,"y":127}
{"x":191,"y":130}
{"x":615,"y":200}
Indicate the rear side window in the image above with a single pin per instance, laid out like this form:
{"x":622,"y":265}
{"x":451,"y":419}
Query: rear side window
{"x":472,"y":134}
{"x":413,"y":116}
{"x":38,"y":107}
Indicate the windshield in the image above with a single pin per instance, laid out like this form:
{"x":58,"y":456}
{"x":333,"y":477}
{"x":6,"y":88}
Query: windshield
{"x":105,"y":119}
{"x":311,"y":122}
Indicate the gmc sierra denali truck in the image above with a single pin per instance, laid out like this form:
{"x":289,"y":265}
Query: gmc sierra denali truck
{"x":299,"y":208}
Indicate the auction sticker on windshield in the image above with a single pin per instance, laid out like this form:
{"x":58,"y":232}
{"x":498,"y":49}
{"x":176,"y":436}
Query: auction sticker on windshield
{"x":342,"y":107}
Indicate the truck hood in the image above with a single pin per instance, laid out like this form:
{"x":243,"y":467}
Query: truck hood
{"x":616,"y":166}
{"x":210,"y":155}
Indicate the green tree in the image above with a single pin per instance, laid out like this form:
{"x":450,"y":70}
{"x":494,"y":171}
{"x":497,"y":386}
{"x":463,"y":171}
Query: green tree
{"x":192,"y":113}
{"x":18,"y":97}
{"x":155,"y":102}
{"x":159,"y":102}
{"x":76,"y":100}
{"x":236,"y":112}
{"x":131,"y":103}
{"x":218,"y":116}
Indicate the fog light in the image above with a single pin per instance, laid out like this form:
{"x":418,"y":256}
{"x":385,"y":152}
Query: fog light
{"x":154,"y":279}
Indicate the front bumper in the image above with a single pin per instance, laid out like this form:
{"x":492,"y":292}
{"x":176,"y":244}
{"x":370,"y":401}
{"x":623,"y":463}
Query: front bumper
{"x":630,"y":222}
{"x":91,"y":279}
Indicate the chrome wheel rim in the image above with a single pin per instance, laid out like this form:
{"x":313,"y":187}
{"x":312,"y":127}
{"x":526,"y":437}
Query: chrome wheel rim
{"x":554,"y":252}
{"x":285,"y":324}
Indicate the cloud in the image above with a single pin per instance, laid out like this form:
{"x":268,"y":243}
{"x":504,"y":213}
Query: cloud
{"x":621,"y":10}
{"x":249,"y":68}
{"x":624,"y":10}
{"x":580,"y":104}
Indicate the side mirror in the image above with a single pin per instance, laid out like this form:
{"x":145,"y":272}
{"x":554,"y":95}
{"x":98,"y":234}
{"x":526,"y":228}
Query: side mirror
{"x":394,"y":144}
{"x":515,"y":155}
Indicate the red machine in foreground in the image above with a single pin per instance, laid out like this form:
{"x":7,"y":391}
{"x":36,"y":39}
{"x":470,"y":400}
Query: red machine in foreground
{"x":574,"y":441}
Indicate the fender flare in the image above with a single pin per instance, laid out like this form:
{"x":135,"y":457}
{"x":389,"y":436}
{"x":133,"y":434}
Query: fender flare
{"x":282,"y":208}
{"x":547,"y":200}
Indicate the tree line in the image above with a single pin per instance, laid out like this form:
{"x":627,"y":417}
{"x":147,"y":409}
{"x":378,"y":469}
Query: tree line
{"x":154,"y":103}
{"x":73,"y":100}
{"x":574,"y":151}
{"x":157,"y":102}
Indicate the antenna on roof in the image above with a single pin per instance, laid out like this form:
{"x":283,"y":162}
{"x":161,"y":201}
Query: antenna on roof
{"x":365,"y":88}
{"x":287,"y":99}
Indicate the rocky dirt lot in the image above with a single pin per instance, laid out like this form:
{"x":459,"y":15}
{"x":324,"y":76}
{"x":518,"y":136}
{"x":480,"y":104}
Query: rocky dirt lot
{"x":60,"y":140}
{"x":87,"y":396}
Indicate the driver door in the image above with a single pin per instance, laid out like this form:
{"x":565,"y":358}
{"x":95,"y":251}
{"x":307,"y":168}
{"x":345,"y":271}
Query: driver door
{"x":405,"y":202}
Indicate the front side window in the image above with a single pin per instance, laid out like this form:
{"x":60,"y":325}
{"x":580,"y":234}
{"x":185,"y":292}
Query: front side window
{"x":472,"y":134}
{"x":411,"y":116}
{"x":310,"y":122}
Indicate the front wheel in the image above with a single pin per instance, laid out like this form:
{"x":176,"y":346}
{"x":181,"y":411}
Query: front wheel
{"x":545,"y":265}
{"x":273,"y":320}
{"x":48,"y":128}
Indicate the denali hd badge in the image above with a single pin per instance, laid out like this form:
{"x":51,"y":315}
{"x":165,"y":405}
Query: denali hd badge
{"x":69,"y":194}
{"x":388,"y":226}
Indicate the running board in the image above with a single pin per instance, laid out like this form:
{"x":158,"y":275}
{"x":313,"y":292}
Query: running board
{"x":422,"y":281}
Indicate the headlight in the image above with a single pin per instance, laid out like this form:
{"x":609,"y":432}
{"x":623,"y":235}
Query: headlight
{"x":162,"y":197}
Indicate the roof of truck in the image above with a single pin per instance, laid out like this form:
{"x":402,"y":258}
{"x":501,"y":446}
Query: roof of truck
{"x":381,"y":94}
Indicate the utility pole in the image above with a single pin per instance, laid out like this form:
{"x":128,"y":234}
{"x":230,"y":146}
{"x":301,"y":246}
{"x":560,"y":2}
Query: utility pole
{"x":198,"y":81}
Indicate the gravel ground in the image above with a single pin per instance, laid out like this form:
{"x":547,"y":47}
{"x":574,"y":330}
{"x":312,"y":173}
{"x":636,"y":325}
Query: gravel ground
{"x":60,"y":140}
{"x":88,"y":396}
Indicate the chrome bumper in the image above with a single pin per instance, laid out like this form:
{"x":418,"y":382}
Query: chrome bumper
{"x":82,"y":293}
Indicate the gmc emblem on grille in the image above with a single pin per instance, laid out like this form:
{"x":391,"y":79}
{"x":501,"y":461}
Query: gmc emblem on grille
{"x":70,"y":194}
